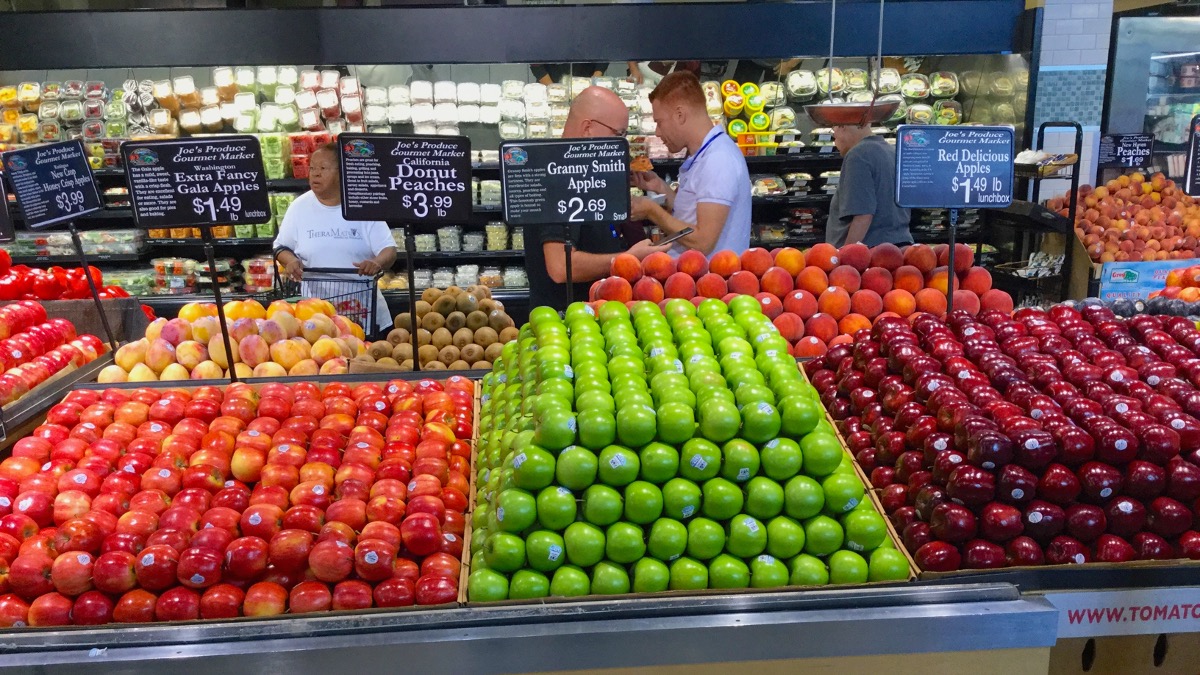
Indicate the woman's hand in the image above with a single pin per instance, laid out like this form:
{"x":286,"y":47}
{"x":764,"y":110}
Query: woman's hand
{"x":368,"y":268}
{"x":294,"y":270}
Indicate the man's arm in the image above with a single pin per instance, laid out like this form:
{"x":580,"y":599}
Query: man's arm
{"x":584,"y":266}
{"x":858,"y":228}
{"x":710,"y":220}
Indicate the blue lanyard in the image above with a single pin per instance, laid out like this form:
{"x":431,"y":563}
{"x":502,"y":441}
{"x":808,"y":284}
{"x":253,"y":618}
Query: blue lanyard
{"x":692,"y":160}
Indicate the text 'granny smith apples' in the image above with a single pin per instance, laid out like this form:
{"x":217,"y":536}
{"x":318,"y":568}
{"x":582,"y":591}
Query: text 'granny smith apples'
{"x":642,"y":448}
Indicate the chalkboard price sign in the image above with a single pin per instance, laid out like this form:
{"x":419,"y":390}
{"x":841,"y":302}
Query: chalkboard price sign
{"x":1125,"y":151}
{"x":565,"y":181}
{"x":1191,"y":177}
{"x":424,"y":179}
{"x":53,"y":183}
{"x":197,"y":181}
{"x":7,"y":232}
{"x":954,"y":167}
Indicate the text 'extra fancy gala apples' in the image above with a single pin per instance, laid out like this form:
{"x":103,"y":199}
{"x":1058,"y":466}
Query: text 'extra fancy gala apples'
{"x":816,"y":298}
{"x":140,"y":505}
{"x":1050,"y":436}
{"x":643,"y":448}
{"x":304,"y":338}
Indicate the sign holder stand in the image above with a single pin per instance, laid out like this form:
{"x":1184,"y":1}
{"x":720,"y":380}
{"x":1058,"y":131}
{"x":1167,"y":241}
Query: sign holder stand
{"x":410,"y":249}
{"x":87,"y":273}
{"x":568,"y":251}
{"x":1191,"y":182}
{"x":951,"y":276}
{"x":210,"y":254}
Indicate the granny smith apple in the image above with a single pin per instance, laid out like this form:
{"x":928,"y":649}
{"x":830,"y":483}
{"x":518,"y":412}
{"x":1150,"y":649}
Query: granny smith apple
{"x":767,"y":571}
{"x":595,"y":400}
{"x":785,"y":537}
{"x":807,"y":570}
{"x":602,"y":505}
{"x":676,"y":395}
{"x":597,"y":428}
{"x":823,"y":535}
{"x":799,"y":414}
{"x":584,"y":543}
{"x":618,"y":466}
{"x":722,"y":499}
{"x":699,"y":460}
{"x":726,"y":571}
{"x":625,"y":543}
{"x":843,"y":492}
{"x":760,"y":422}
{"x":668,"y":539}
{"x":865,"y":530}
{"x":782,"y":458}
{"x":764,"y":498}
{"x":576,"y":468}
{"x":487,"y":585}
{"x":570,"y":581}
{"x":515,"y":510}
{"x":545,"y":550}
{"x":719,"y":420}
{"x":557,"y":429}
{"x":887,"y":564}
{"x":504,"y":552}
{"x":556,"y":508}
{"x":688,"y":575}
{"x":609,"y":579}
{"x":676,"y":423}
{"x":681,"y":498}
{"x":822,"y":453}
{"x":740,"y":460}
{"x":636,"y":425}
{"x":706,"y":538}
{"x":747,"y":536}
{"x":643,"y":502}
{"x":650,"y":576}
{"x":847,"y":567}
{"x":659,"y":462}
{"x":527,"y":584}
{"x":533,"y":468}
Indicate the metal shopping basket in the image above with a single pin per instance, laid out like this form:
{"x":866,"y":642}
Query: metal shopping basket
{"x":352,"y":295}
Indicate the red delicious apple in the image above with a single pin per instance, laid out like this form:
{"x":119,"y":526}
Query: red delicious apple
{"x":1000,"y":522}
{"x":1024,"y":551}
{"x":938,"y":556}
{"x":952,"y":523}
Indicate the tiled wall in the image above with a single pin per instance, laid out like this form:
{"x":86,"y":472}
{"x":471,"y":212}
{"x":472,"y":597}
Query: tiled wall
{"x":1076,"y":33}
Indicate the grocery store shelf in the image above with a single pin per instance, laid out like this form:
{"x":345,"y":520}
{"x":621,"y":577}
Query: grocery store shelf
{"x":117,"y":213}
{"x":192,"y":241}
{"x":463,"y":255}
{"x":74,"y":259}
{"x":791,"y":200}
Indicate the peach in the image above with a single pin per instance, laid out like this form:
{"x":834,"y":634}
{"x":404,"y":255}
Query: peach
{"x":996,"y":299}
{"x":142,"y":373}
{"x":216,"y":351}
{"x":771,"y":305}
{"x":334,"y":366}
{"x":305,"y":368}
{"x":899,"y":301}
{"x":680,"y":285}
{"x":812,"y":279}
{"x":154,"y":330}
{"x":778,"y":281}
{"x":790,"y":259}
{"x":160,"y":354}
{"x":616,"y":288}
{"x":659,"y":265}
{"x":801,"y":303}
{"x":977,"y":280}
{"x":938,"y":279}
{"x":207,"y":370}
{"x":887,"y":256}
{"x":931,"y":300}
{"x":280,"y":306}
{"x":966,"y":300}
{"x":724,"y":263}
{"x":190,"y":353}
{"x":712,"y":286}
{"x":648,"y":288}
{"x":867,"y":303}
{"x":852,"y":323}
{"x":908,"y":278}
{"x":857,"y":256}
{"x":176,"y":331}
{"x":743,"y":282}
{"x":626,"y":266}
{"x":243,"y":328}
{"x":757,"y":261}
{"x":324,"y":350}
{"x":841,"y":340}
{"x":834,"y":302}
{"x":921,"y":257}
{"x":822,"y":327}
{"x":242,"y":370}
{"x":692,"y":263}
{"x":288,"y":353}
{"x":112,"y":373}
{"x":876,"y":279}
{"x":175,"y":372}
{"x":594,"y":292}
{"x":205,"y":327}
{"x":269,"y":369}
{"x":345,"y":327}
{"x":272,"y":332}
{"x":254,"y":350}
{"x":131,"y":354}
{"x":824,"y":256}
{"x":790,"y":326}
{"x":809,"y":347}
{"x":964,"y":256}
{"x":845,"y":276}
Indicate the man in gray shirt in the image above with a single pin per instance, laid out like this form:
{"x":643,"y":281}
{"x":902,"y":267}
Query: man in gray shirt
{"x":864,"y":207}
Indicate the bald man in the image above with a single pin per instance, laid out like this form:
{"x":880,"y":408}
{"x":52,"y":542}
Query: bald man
{"x":595,"y":113}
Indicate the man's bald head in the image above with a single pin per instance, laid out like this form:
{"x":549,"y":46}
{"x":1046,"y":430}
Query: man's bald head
{"x":596,"y":112}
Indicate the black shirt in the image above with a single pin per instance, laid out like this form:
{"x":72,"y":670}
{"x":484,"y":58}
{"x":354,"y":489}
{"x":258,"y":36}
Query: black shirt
{"x":595,"y":238}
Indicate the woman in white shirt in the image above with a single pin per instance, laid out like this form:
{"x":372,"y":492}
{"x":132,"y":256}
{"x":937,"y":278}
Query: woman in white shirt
{"x":315,"y":235}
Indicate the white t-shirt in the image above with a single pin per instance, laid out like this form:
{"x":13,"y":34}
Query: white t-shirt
{"x":716,"y":174}
{"x":322,"y":238}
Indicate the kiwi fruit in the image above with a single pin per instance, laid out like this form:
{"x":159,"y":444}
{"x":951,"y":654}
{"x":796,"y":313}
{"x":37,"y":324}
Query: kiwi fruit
{"x":508,"y":335}
{"x":423,"y":337}
{"x":403,"y":321}
{"x":492,"y":352}
{"x":485,"y":365}
{"x":471,"y":353}
{"x":448,"y":354}
{"x":454,"y":291}
{"x":399,"y":336}
{"x":455,"y":321}
{"x":460,"y":365}
{"x":380,"y":349}
{"x":426,"y":354}
{"x":402,"y":351}
{"x":433,"y":321}
{"x":364,"y":358}
{"x":480,"y":291}
{"x":499,"y":306}
{"x":487,"y":305}
{"x":444,"y":305}
{"x":431,"y":294}
{"x":423,"y":308}
{"x":477,"y":320}
{"x":406,"y":364}
{"x":498,"y":320}
{"x":388,"y":361}
{"x":434,"y":365}
{"x":467,"y":303}
{"x":485,"y":336}
{"x":441,"y":338}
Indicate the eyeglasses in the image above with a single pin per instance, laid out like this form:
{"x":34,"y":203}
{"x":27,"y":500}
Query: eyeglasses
{"x":321,"y":170}
{"x":615,"y":132}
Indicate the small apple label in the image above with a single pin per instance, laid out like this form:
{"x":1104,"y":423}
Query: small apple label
{"x":657,"y":351}
{"x":500,"y":514}
{"x":46,"y":466}
{"x":955,"y":458}
{"x":969,"y":331}
{"x":765,"y":558}
{"x":934,"y":386}
{"x":318,"y":489}
{"x":1177,"y":424}
{"x":1122,"y":407}
{"x":554,"y":552}
{"x":363,"y":444}
{"x":255,"y":519}
{"x":1125,"y":507}
{"x":1035,"y":517}
{"x":380,"y":405}
{"x":1078,"y":558}
{"x":743,"y":474}
{"x":617,"y":461}
{"x":519,"y":460}
{"x":197,"y":579}
{"x":1121,"y":444}
{"x":89,"y":425}
{"x":563,"y":491}
{"x":572,"y":425}
{"x":253,"y":433}
{"x":83,"y":558}
{"x":696,"y":358}
{"x":1118,"y":376}
{"x":1036,"y":413}
{"x":569,"y":372}
{"x":128,"y":468}
{"x":156,"y":427}
{"x":688,"y":510}
{"x":1153,"y":380}
{"x":1031,"y":444}
{"x":698,"y":463}
{"x":989,"y":465}
{"x":164,"y":473}
{"x":371,"y":557}
{"x":833,"y":260}
{"x":5,"y":502}
{"x":939,"y":445}
{"x":751,"y":524}
{"x":148,"y":559}
{"x":1018,"y":493}
{"x":24,"y":504}
{"x":1106,"y":492}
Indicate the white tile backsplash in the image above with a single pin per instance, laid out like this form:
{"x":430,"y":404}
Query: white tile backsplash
{"x":1081,"y":42}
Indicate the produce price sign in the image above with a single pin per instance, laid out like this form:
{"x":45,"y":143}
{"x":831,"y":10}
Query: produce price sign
{"x":558,"y":182}
{"x":53,"y":183}
{"x":197,"y":181}
{"x":1125,"y":151}
{"x":1142,"y":611}
{"x":414,"y":179}
{"x":1191,"y":177}
{"x":6,"y":225}
{"x":954,"y":167}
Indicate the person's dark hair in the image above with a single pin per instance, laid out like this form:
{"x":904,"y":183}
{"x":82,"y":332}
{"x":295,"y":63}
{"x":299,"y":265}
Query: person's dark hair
{"x":682,"y":87}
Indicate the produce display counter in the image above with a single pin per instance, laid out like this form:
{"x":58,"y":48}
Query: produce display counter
{"x":986,"y":627}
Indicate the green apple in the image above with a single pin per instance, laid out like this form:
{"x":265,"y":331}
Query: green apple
{"x":764,"y":498}
{"x":722,"y":499}
{"x":556,"y":508}
{"x":636,"y":425}
{"x":822,"y":453}
{"x":785,"y":537}
{"x":584,"y":543}
{"x":533,"y":468}
{"x":843,"y":492}
{"x":681,"y":498}
{"x":570,"y":581}
{"x":740,"y":460}
{"x":865,"y":530}
{"x":747,"y":536}
{"x":650,"y":576}
{"x":643,"y":502}
{"x":527,"y":584}
{"x":782,"y":458}
{"x":678,"y":307}
{"x":602,"y":505}
{"x":706,"y":378}
{"x":595,"y":400}
{"x":688,"y":575}
{"x":556,"y":430}
{"x":487,"y":585}
{"x":545,"y":550}
{"x":633,"y":397}
{"x":767,"y":571}
{"x":597,"y":428}
{"x":618,"y":466}
{"x":659,"y":462}
{"x":699,"y":460}
{"x":706,"y":539}
{"x":752,"y":393}
{"x":726,"y":571}
{"x":799,"y":414}
{"x":576,"y":468}
{"x":589,"y":367}
{"x":516,"y":510}
{"x":504,"y":552}
{"x":807,"y":570}
{"x":823,"y":535}
{"x":680,"y":395}
{"x":847,"y":567}
{"x":609,"y":579}
{"x":668,"y":539}
{"x":668,"y":380}
{"x":760,"y":422}
{"x":676,"y":423}
{"x":887,"y":564}
{"x":559,"y":388}
{"x":719,"y":420}
{"x":625,"y":543}
{"x":803,"y":498}
{"x":478,"y":559}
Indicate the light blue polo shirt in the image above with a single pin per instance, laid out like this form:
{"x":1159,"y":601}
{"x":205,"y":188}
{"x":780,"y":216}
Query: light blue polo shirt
{"x":716,"y":174}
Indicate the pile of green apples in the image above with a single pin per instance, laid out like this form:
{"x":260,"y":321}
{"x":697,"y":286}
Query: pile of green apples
{"x":645,"y":449}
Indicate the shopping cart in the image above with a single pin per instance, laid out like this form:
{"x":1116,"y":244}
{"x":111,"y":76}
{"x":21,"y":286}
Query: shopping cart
{"x":352,"y":295}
